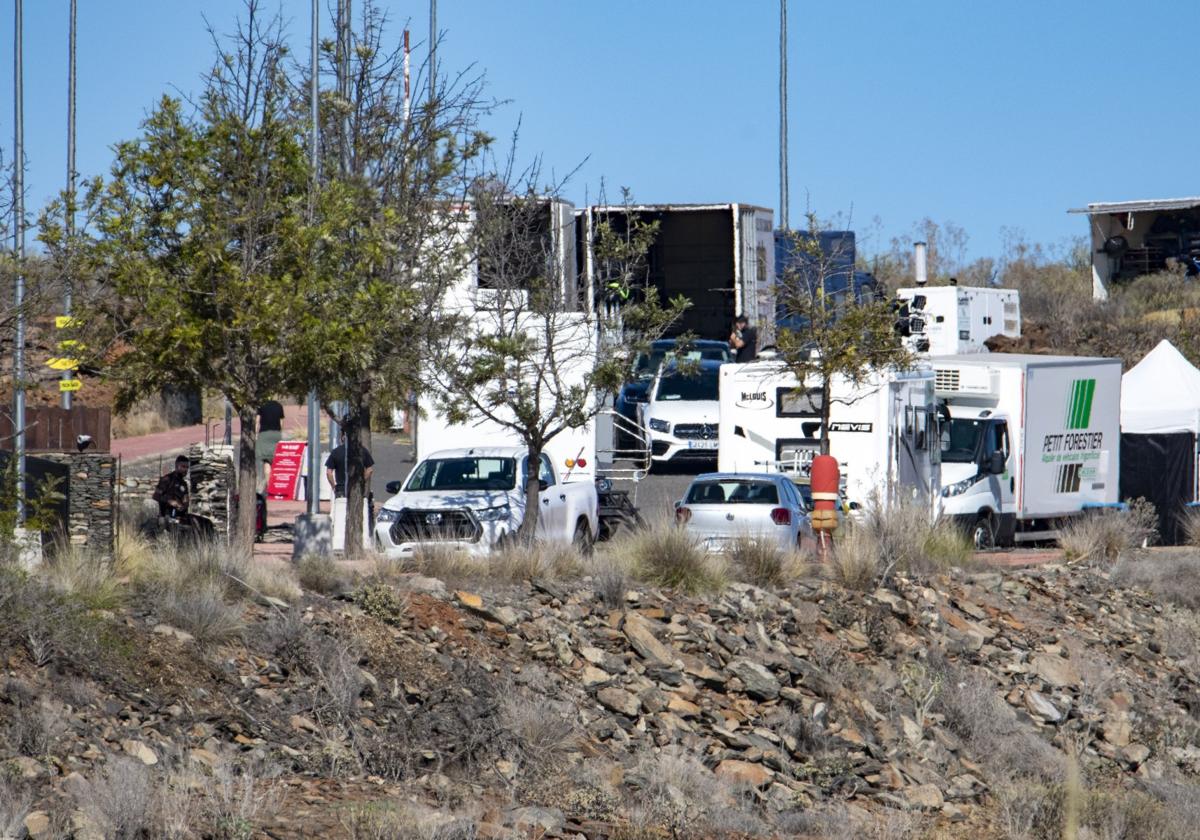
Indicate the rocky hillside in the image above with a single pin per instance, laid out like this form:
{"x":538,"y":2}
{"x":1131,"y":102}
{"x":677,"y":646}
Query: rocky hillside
{"x":1026,"y":703}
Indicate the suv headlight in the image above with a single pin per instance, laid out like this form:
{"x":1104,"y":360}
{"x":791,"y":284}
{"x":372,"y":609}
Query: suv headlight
{"x":386,"y":515}
{"x":657,"y":425}
{"x":493,"y":514}
{"x":959,"y":487}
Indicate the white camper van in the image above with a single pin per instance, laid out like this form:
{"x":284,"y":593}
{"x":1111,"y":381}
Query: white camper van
{"x":1031,"y":440}
{"x":883,"y":433}
{"x":945,"y":320}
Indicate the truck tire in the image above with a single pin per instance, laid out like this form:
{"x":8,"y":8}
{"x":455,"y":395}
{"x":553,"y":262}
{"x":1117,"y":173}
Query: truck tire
{"x":983,"y":534}
{"x":583,"y":540}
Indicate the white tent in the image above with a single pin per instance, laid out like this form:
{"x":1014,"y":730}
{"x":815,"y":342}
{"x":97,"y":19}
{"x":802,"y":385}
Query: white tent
{"x":1161,"y":394}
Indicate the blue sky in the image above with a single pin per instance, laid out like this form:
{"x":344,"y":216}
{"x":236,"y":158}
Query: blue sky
{"x":984,"y":114}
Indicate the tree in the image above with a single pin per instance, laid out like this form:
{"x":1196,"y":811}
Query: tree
{"x":388,"y":211}
{"x":537,"y":359}
{"x":830,"y":330}
{"x":200,"y":243}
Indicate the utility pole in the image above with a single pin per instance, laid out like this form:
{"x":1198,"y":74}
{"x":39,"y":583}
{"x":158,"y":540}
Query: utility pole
{"x":313,"y":490}
{"x":19,"y":250}
{"x":783,"y":118}
{"x":69,"y":221}
{"x":433,"y":39}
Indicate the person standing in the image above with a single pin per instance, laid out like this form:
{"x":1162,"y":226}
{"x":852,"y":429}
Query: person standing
{"x":336,"y":466}
{"x":171,"y":492}
{"x":270,"y":432}
{"x":744,"y":340}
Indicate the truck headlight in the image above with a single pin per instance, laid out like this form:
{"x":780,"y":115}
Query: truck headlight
{"x":959,"y":487}
{"x":657,"y":425}
{"x":493,"y":514}
{"x":384,"y":516}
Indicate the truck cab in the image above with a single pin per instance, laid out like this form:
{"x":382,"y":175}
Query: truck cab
{"x":978,"y":482}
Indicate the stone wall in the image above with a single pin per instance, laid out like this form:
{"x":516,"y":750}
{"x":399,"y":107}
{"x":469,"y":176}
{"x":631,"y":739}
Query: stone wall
{"x":91,"y":498}
{"x":213,"y":481}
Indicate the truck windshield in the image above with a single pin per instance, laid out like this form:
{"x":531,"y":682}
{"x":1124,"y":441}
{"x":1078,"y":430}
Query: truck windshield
{"x":464,"y":474}
{"x":733,"y":492}
{"x":961,"y":445}
{"x":700,"y":386}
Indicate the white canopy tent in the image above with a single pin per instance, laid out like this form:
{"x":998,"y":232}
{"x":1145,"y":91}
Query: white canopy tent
{"x":1161,"y":394}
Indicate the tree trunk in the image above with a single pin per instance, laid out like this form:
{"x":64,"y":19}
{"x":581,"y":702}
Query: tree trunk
{"x":826,"y":409}
{"x":352,"y":429}
{"x":533,"y":492}
{"x":243,"y":536}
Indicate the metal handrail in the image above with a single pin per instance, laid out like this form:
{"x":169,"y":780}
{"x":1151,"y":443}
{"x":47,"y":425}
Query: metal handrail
{"x":639,"y":455}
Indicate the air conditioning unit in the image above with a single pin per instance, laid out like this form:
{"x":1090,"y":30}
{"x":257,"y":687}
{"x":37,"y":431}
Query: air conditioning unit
{"x":964,"y":381}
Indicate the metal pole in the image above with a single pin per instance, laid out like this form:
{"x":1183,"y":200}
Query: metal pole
{"x":313,"y":493}
{"x":69,"y":221}
{"x":783,"y":118}
{"x":433,"y":39}
{"x":407,"y":97}
{"x":19,"y":249}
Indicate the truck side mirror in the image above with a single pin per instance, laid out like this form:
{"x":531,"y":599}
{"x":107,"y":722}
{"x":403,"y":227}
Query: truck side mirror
{"x":996,"y":463}
{"x":392,"y":487}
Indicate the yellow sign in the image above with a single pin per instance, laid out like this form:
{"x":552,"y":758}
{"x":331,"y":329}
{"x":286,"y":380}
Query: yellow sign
{"x":70,"y":344}
{"x":62,"y":364}
{"x":69,"y":384}
{"x":62,"y":322}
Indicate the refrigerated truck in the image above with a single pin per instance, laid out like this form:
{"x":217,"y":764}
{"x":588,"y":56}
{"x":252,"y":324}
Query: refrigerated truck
{"x":1030,"y":442}
{"x":946,"y":320}
{"x":883,"y":432}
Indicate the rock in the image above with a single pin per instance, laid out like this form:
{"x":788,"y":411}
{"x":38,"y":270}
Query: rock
{"x":541,"y":820}
{"x":912,"y":730}
{"x":303,"y":724}
{"x":593,"y":654}
{"x":760,"y":682}
{"x":594,"y":676}
{"x":1038,"y":705}
{"x":37,"y":824}
{"x":1055,"y":670}
{"x":1117,"y":730}
{"x":926,"y":797}
{"x":620,"y":701}
{"x":683,"y":708}
{"x":26,"y":767}
{"x":168,"y":630}
{"x":642,"y":639}
{"x":427,"y":585}
{"x":745,"y":772}
{"x":503,"y":615}
{"x":140,"y":751}
{"x":1136,"y":753}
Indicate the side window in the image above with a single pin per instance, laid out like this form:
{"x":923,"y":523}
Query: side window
{"x":1000,"y":438}
{"x":546,"y":473}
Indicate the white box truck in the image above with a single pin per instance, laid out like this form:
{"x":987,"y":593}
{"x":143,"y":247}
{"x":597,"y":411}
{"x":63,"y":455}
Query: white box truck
{"x":883,"y":433}
{"x":1030,"y":441}
{"x":946,"y":320}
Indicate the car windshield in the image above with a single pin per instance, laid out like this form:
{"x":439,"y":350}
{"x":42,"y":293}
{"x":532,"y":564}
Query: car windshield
{"x":961,"y":444}
{"x":647,"y":364}
{"x":702,"y":385}
{"x":732,"y":491}
{"x":464,"y":474}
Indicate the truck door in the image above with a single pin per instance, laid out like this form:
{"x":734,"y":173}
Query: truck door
{"x":1003,"y":485}
{"x":552,"y":514}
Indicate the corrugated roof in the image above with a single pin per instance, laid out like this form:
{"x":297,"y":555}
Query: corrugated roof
{"x":1138,"y":206}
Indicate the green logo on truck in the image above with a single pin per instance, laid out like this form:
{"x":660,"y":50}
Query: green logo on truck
{"x":1079,"y":408}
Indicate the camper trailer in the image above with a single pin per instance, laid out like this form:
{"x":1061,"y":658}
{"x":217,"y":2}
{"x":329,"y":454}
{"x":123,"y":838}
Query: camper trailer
{"x":882,"y":432}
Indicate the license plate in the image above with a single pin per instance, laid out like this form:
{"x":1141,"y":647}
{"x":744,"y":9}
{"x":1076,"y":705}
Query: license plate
{"x":702,"y":444}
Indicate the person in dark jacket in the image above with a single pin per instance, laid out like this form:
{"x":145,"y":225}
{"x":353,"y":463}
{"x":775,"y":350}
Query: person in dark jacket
{"x":171,"y":493}
{"x":744,"y":340}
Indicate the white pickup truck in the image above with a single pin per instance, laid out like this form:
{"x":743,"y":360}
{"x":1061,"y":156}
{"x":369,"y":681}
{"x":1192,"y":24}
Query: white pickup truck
{"x":474,"y":500}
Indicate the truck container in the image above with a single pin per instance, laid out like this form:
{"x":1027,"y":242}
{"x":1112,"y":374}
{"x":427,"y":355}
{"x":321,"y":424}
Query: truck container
{"x":949,"y":320}
{"x":1028,"y":442}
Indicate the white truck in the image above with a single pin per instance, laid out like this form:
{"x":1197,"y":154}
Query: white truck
{"x":883,"y":433}
{"x":474,"y":500}
{"x":945,"y":320}
{"x":1027,"y":442}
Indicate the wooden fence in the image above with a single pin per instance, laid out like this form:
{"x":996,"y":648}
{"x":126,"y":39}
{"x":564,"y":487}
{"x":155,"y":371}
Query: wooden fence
{"x":54,"y":429}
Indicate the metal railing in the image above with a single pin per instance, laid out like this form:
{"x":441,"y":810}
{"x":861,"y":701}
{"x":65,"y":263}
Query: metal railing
{"x":624,"y":462}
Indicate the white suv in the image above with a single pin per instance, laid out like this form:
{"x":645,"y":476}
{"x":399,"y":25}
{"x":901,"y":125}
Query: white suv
{"x":682,"y":411}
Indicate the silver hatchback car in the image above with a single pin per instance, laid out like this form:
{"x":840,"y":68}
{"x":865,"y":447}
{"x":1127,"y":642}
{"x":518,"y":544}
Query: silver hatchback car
{"x":719,"y":508}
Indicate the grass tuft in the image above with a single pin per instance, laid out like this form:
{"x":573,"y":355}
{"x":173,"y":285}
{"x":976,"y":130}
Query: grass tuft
{"x":1105,"y":536}
{"x":668,"y":556}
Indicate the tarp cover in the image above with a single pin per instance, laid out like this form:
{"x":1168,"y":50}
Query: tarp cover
{"x":1161,"y":393}
{"x":1161,"y":469}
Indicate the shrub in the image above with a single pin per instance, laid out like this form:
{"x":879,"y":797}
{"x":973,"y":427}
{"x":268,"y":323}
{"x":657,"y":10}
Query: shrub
{"x":83,"y":575}
{"x":394,"y":821}
{"x":381,"y":602}
{"x":15,"y":802}
{"x":272,"y":581}
{"x":511,"y":563}
{"x":238,"y":800}
{"x":35,"y":727}
{"x":763,"y":563}
{"x":119,"y":801}
{"x":1170,"y":577}
{"x":1104,"y":536}
{"x":669,"y":556}
{"x":679,"y":797}
{"x":610,"y":579}
{"x":1189,"y":520}
{"x":319,"y":573}
{"x":539,"y":734}
{"x":200,"y":608}
{"x":900,"y":536}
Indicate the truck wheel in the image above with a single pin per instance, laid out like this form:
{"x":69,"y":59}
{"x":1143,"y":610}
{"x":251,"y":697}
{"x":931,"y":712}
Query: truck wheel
{"x":983,"y":535}
{"x":583,"y":541}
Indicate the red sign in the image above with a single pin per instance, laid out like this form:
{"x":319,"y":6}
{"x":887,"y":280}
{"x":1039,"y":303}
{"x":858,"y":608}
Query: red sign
{"x":285,"y":469}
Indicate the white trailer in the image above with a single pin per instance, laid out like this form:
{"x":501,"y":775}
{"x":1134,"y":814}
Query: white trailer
{"x":883,"y":433}
{"x":947,"y":320}
{"x":1031,"y":441}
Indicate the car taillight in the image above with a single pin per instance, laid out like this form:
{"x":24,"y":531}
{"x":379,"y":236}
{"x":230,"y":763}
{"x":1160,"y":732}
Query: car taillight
{"x":781,"y":516}
{"x":682,"y":515}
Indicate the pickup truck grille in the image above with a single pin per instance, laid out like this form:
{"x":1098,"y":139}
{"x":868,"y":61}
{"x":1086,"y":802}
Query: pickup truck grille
{"x":695,"y":431}
{"x":435,"y":526}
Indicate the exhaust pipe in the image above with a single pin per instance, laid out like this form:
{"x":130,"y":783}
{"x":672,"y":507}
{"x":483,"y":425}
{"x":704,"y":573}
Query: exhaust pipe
{"x":920,"y":276}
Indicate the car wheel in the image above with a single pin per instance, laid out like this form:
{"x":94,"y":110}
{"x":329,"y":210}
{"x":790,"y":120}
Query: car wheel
{"x":983,"y":535}
{"x":583,"y":541}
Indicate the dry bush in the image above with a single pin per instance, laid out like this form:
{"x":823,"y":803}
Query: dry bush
{"x":540,"y":733}
{"x":898,"y":537}
{"x":84,"y":575}
{"x":610,"y":578}
{"x":35,"y":727}
{"x":511,"y":563}
{"x":201,"y":609}
{"x":270,"y":581}
{"x":134,"y":550}
{"x":15,"y":803}
{"x":678,"y":795}
{"x":320,"y":573}
{"x":1107,"y":535}
{"x":119,"y":801}
{"x":763,"y":563}
{"x":403,"y":821}
{"x":665,"y":555}
{"x":1173,"y":578}
{"x":854,"y":560}
{"x":1189,"y":521}
{"x":239,"y":799}
{"x":335,"y":664}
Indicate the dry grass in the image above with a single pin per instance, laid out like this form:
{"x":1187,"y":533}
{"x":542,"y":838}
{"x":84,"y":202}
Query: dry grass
{"x":201,"y":609}
{"x":119,"y":801}
{"x":319,"y":573}
{"x":1189,"y":520}
{"x":665,"y":555}
{"x":763,"y":563}
{"x":403,"y":821}
{"x":898,"y":538}
{"x":239,"y":800}
{"x":610,"y":578}
{"x":84,"y":575}
{"x":1105,"y":536}
{"x":511,"y":564}
{"x":1173,"y":578}
{"x":677,"y":796}
{"x":145,"y":418}
{"x":15,"y":803}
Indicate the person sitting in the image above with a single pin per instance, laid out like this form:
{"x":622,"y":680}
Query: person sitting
{"x":172,"y":493}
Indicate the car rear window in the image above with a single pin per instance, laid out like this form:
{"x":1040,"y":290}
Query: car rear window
{"x":733,"y":492}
